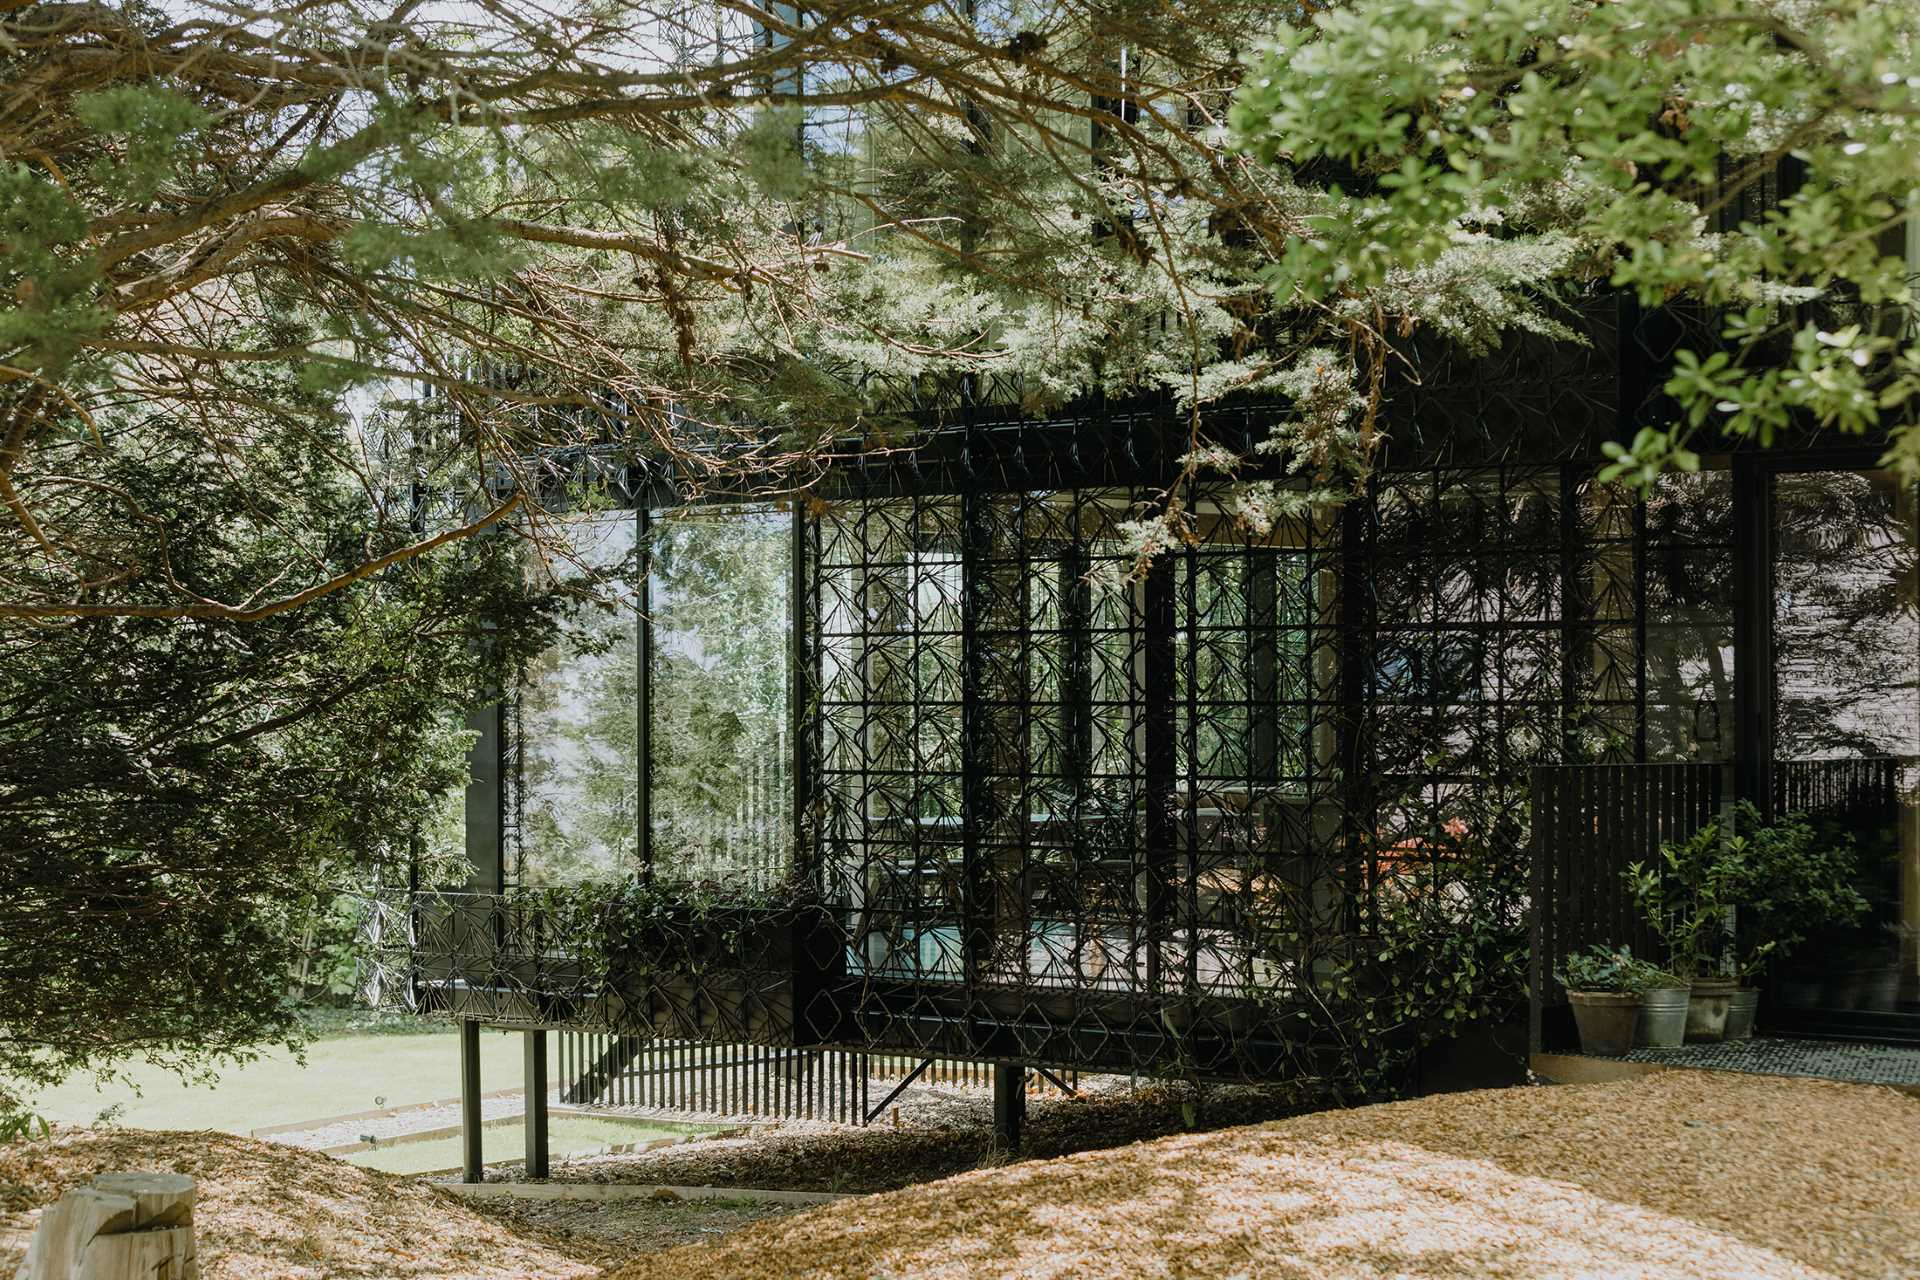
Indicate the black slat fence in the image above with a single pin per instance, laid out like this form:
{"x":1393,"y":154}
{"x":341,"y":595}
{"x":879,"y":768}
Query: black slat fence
{"x":698,"y":1077}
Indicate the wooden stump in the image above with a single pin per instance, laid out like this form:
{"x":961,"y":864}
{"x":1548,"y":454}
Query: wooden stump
{"x":123,"y":1226}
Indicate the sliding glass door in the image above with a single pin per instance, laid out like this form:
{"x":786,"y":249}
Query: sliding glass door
{"x":1845,"y":729}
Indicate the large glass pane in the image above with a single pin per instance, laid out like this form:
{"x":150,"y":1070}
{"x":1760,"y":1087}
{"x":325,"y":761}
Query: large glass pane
{"x":889,"y":583}
{"x":1689,"y":618}
{"x":1242,"y":724}
{"x":1846,"y":641}
{"x":1846,"y":636}
{"x":578,"y":718}
{"x":720,"y":605}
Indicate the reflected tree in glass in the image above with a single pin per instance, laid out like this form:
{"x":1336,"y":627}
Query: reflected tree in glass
{"x":720,"y":606}
{"x":579,"y":719}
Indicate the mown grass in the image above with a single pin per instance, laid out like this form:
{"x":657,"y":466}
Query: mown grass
{"x":342,"y":1074}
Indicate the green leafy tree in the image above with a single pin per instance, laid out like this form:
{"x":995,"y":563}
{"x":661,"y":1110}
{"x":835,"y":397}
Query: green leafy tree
{"x":183,"y":801}
{"x":731,"y":235}
{"x":1640,"y":146}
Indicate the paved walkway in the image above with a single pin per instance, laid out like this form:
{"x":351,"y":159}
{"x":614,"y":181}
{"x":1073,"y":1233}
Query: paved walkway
{"x":1824,"y":1059}
{"x":324,"y":1135}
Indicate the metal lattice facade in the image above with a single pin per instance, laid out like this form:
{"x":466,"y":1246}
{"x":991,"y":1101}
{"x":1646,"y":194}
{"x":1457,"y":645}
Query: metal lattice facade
{"x":1052,"y":809}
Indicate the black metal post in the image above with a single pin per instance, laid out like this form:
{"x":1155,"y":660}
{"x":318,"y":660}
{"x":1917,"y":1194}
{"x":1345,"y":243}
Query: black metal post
{"x":1352,"y":748}
{"x":1009,"y":1104}
{"x":976,"y":806}
{"x":471,"y":1162}
{"x":1158,"y":764}
{"x":1752,"y":632}
{"x":643,"y":686}
{"x":485,"y":797}
{"x":536,"y":1114}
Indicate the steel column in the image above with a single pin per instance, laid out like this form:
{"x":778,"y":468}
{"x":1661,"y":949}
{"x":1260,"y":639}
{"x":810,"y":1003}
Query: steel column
{"x":472,"y":1168}
{"x":1009,"y":1104}
{"x":1752,"y":631}
{"x":536,"y":1113}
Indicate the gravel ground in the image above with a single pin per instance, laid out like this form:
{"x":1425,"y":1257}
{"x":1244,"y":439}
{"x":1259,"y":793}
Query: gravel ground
{"x":611,"y":1232}
{"x":1678,"y":1175}
{"x":949,"y":1135}
{"x":272,"y":1212}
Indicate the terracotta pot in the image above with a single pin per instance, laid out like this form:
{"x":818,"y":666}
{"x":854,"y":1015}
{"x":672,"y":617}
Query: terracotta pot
{"x":1663,"y":1018}
{"x":1607,"y":1020}
{"x":1709,"y":1002}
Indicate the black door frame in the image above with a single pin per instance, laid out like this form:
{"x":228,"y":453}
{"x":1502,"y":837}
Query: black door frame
{"x":1754,"y":540}
{"x":1755,"y":544}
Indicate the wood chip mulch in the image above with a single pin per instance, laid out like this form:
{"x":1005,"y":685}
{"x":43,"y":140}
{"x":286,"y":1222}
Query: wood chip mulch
{"x":612,"y":1232}
{"x":267,"y":1212}
{"x":805,"y":1157}
{"x":1676,"y":1175}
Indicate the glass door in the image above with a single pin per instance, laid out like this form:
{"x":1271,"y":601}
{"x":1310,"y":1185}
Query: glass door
{"x":1845,"y":712}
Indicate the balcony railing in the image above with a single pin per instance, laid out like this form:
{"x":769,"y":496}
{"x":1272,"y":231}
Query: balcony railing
{"x":735,"y":974}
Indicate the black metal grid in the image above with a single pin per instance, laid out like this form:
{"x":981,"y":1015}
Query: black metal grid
{"x":1134,"y":825}
{"x":1063,"y":810}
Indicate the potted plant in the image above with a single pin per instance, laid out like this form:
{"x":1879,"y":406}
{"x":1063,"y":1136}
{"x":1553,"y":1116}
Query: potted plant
{"x":1723,"y":901}
{"x":1684,"y":899}
{"x":1605,"y":987}
{"x":1664,"y":1002}
{"x":1790,"y":882}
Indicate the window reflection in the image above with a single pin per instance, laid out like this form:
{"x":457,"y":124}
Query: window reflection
{"x":719,"y":603}
{"x":579,"y":729}
{"x":1846,"y":632}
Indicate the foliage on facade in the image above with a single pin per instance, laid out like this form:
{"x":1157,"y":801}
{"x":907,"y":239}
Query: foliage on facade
{"x":1757,"y":160}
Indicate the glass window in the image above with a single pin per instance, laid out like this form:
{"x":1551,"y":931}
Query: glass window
{"x":579,"y":731}
{"x":720,"y":607}
{"x":1845,"y":628}
{"x":1689,"y":618}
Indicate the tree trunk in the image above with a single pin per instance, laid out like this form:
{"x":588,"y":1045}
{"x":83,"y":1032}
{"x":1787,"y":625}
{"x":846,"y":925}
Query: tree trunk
{"x":122,"y":1227}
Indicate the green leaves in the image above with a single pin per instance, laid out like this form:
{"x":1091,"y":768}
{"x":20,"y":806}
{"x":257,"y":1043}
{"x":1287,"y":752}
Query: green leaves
{"x":1653,"y":134}
{"x":1603,"y":968}
{"x":769,"y":151}
{"x":51,"y":285}
{"x":458,"y":250}
{"x":23,"y":1126}
{"x":1640,"y":464}
{"x":154,"y":126}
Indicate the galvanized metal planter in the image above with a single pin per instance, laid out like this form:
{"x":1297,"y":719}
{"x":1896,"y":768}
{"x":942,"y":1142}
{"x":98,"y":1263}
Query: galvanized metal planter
{"x":1663,"y":1018}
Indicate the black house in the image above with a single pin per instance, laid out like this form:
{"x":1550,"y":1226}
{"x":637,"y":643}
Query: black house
{"x":916,"y":763}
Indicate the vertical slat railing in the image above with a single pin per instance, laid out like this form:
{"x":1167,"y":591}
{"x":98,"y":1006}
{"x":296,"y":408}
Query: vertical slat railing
{"x":1591,"y":822}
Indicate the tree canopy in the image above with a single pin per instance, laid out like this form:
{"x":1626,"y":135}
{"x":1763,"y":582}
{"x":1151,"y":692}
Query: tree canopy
{"x":301,"y":297}
{"x":183,"y":800}
{"x":722,"y":233}
{"x":297,"y":294}
{"x":1757,"y":159}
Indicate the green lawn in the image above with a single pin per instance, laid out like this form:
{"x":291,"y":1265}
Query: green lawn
{"x":347,"y":1074}
{"x":504,"y":1140}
